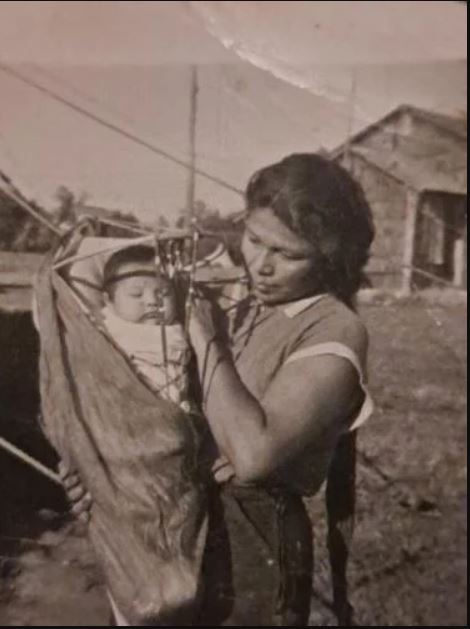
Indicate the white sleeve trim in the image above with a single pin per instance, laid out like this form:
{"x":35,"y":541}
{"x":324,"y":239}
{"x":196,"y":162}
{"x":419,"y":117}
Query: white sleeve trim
{"x":338,"y":349}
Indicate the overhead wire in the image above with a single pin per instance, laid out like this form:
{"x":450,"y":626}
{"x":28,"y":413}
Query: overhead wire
{"x":130,"y":135}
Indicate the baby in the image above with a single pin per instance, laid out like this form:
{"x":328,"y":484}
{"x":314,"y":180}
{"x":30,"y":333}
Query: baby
{"x":140,"y":314}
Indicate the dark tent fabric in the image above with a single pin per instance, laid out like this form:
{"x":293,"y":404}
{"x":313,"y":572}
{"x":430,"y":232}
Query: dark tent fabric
{"x":135,"y":452}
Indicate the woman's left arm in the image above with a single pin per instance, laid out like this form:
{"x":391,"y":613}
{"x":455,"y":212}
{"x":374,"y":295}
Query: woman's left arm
{"x":305,"y":403}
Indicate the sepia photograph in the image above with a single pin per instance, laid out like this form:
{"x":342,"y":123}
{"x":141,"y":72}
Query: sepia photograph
{"x":233,"y":313}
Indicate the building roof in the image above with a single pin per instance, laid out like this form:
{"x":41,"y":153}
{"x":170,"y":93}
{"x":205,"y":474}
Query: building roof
{"x":411,"y":171}
{"x":452,"y":125}
{"x":407,"y":164}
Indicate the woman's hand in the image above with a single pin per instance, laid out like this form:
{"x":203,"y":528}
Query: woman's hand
{"x":78,"y":496}
{"x":202,"y":330}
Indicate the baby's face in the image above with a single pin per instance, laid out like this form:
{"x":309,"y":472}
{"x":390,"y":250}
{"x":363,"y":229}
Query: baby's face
{"x":145,"y":299}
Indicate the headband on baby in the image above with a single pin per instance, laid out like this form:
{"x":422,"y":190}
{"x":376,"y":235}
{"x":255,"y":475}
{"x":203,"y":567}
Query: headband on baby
{"x":139,"y":273}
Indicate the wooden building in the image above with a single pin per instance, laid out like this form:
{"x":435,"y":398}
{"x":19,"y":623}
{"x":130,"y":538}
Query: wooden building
{"x":412,"y":165}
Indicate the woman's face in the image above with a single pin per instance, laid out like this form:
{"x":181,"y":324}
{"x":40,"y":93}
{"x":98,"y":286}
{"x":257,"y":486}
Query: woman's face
{"x":281,"y":264}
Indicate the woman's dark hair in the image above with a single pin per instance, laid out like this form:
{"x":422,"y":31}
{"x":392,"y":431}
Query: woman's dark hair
{"x":319,"y":200}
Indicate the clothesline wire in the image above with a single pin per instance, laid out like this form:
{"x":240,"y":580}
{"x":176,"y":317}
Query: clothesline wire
{"x":338,"y":114}
{"x":115,"y":127}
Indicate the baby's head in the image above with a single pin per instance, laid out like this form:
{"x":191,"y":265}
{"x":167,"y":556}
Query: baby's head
{"x":135,"y":290}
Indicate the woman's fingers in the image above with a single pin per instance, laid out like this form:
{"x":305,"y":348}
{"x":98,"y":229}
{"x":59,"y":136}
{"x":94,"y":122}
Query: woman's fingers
{"x":70,"y":479}
{"x":71,"y":482}
{"x":76,"y":493}
{"x":224,"y":474}
{"x":82,"y":508}
{"x":64,"y":471}
{"x":68,"y":476}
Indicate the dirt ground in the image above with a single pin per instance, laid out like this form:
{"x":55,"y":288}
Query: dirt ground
{"x":409,"y":555}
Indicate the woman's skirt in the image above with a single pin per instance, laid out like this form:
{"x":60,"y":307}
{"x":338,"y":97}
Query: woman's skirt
{"x":258,"y":564}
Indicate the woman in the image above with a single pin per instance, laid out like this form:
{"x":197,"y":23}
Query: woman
{"x":287,"y":386}
{"x":282,"y":380}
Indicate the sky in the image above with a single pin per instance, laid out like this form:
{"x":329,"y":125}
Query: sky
{"x":131,"y":66}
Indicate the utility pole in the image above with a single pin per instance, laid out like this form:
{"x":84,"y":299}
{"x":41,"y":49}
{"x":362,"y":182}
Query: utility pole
{"x":352,"y":105}
{"x":191,"y":185}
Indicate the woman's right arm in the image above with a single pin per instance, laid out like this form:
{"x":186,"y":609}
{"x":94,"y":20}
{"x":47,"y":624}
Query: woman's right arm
{"x":301,"y":406}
